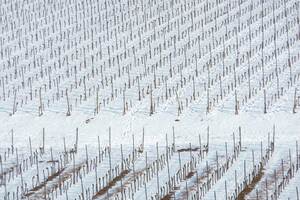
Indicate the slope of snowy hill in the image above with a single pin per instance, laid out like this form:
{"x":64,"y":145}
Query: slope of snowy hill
{"x":149,"y":99}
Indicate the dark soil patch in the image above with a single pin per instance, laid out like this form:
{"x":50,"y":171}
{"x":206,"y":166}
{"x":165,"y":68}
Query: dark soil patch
{"x":248,"y":189}
{"x":190,"y":175}
{"x":111,"y":184}
{"x":168,"y":196}
{"x":40,"y":186}
{"x":188,"y":149}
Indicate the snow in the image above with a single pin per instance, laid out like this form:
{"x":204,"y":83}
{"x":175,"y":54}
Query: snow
{"x":135,"y":73}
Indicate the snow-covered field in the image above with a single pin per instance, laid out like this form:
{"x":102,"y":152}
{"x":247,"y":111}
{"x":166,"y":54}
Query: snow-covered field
{"x":149,"y":99}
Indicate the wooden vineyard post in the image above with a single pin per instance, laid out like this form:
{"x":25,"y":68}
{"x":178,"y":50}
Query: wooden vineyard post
{"x":291,"y":165}
{"x":146,"y":194}
{"x":226,"y":155}
{"x":245,"y":174}
{"x":76,"y":141}
{"x":87,"y":158}
{"x":157,"y":166}
{"x":99,"y":150}
{"x":236,"y":103}
{"x":139,"y":88}
{"x":261,"y":152}
{"x":207,"y":139}
{"x":187,"y":191}
{"x":295,"y":101}
{"x":197,"y":181}
{"x":226,"y":190}
{"x":168,"y":167}
{"x":253,"y":159}
{"x":173,"y":133}
{"x":240,"y":137}
{"x":124,"y":102}
{"x":200,"y":147}
{"x":217,"y":160}
{"x":43,"y":147}
{"x":112,"y":87}
{"x":267,"y":195}
{"x":96,"y":175}
{"x":14,"y":104}
{"x":82,"y":187}
{"x":194,"y":91}
{"x":41,"y":103}
{"x":234,"y":149}
{"x":269,"y":146}
{"x":122,"y":170}
{"x":30,"y":147}
{"x":273,"y":148}
{"x":282,"y":170}
{"x":221,"y":87}
{"x":249,"y":75}
{"x":235,"y":181}
{"x":151,"y":101}
{"x":179,"y":110}
{"x":3,"y":88}
{"x":133,"y":164}
{"x":275,"y":177}
{"x":109,"y":153}
{"x":143,"y":141}
{"x":68,"y":104}
{"x":12,"y":141}
{"x":297,"y":156}
{"x":207,"y":176}
{"x":97,"y":100}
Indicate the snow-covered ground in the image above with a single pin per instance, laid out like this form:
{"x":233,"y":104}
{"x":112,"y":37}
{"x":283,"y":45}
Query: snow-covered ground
{"x":149,"y":99}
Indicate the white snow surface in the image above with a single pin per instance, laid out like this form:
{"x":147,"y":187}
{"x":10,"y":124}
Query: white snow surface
{"x":139,"y":72}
